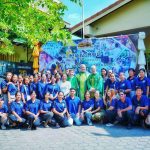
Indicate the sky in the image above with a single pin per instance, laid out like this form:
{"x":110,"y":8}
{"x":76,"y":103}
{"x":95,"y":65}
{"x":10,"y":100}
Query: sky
{"x":74,"y":13}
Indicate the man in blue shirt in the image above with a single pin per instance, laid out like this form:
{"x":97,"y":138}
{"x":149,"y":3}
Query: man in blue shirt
{"x":74,"y":107}
{"x":17,"y":111}
{"x":140,"y":106}
{"x":46,"y":113}
{"x":124,"y":84}
{"x":33,"y":111}
{"x":124,"y":110}
{"x":3,"y":114}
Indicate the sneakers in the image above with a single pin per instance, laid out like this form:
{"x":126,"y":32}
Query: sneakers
{"x":46,"y":125}
{"x":3,"y":127}
{"x":109,"y":125}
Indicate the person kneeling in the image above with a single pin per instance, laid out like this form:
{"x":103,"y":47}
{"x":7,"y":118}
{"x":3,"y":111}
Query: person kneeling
{"x":33,"y":111}
{"x":17,"y":112}
{"x":46,"y":113}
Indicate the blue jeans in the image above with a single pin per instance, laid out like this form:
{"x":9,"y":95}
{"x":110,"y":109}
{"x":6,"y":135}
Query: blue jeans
{"x":76,"y":120}
{"x":62,"y":121}
{"x":13,"y":118}
{"x":47,"y":116}
{"x":32,"y":121}
{"x":88,"y":117}
{"x":110,"y":116}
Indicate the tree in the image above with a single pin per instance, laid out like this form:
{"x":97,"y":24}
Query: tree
{"x":32,"y":20}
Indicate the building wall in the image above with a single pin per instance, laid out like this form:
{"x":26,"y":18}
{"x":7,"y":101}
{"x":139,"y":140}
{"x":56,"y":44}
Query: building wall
{"x":133,"y":15}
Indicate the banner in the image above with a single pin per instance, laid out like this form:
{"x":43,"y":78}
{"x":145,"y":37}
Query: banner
{"x":117,"y":53}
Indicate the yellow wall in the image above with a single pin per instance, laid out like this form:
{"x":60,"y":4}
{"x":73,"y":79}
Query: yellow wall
{"x":135,"y":14}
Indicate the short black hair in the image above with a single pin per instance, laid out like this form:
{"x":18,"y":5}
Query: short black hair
{"x":142,"y":69}
{"x":72,"y":89}
{"x":131,"y":69}
{"x":139,"y":88}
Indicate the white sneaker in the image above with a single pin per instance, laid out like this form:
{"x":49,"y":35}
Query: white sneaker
{"x":109,"y":125}
{"x":3,"y":127}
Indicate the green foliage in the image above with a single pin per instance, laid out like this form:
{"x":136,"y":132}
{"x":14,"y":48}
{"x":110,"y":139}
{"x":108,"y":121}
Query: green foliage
{"x":33,"y":20}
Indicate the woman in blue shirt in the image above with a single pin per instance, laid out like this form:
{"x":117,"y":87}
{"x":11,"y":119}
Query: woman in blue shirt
{"x":17,"y":111}
{"x":98,"y":109}
{"x":87,"y":106}
{"x":46,"y":113}
{"x":111,"y":107}
{"x":32,"y":109}
{"x":60,"y":110}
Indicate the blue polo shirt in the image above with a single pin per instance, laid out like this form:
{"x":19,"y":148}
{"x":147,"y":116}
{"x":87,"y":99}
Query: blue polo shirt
{"x":46,"y":106}
{"x":59,"y":106}
{"x":4,"y":109}
{"x":123,"y":85}
{"x":17,"y":107}
{"x":33,"y":107}
{"x":12,"y":89}
{"x":98,"y":103}
{"x":52,"y":89}
{"x":34,"y":87}
{"x":142,"y":102}
{"x":143,"y":83}
{"x":112,"y":103}
{"x":113,"y":85}
{"x":73,"y":105}
{"x":25,"y":89}
{"x":123,"y":105}
{"x":41,"y":90}
{"x":87,"y":104}
{"x":132,"y":82}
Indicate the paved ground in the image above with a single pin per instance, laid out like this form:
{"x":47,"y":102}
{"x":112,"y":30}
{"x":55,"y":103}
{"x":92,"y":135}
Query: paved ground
{"x":96,"y":137}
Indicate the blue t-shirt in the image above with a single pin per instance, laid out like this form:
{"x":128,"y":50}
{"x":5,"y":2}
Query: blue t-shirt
{"x":12,"y":89}
{"x":59,"y":106}
{"x":112,"y":103}
{"x":46,"y":106}
{"x":17,"y":107}
{"x":25,"y":89}
{"x":125,"y":104}
{"x":143,"y":83}
{"x":73,"y":104}
{"x":143,"y":102}
{"x":98,"y":103}
{"x":34,"y":87}
{"x":41,"y":90}
{"x":132,"y":82}
{"x":52,"y":89}
{"x":113,"y":85}
{"x":87,"y":104}
{"x":33,"y":107}
{"x":4,"y":109}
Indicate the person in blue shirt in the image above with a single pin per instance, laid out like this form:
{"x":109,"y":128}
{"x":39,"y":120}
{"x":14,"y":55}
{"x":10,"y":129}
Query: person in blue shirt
{"x":46,"y":113}
{"x":32,"y":110}
{"x":53,"y":88}
{"x":105,"y":77}
{"x":124,"y":84}
{"x":143,"y":82}
{"x":87,"y":106}
{"x":74,"y":107}
{"x":17,"y":115}
{"x":60,"y":110}
{"x":25,"y":90}
{"x":41,"y":87}
{"x":98,"y":108}
{"x":3,"y":115}
{"x":112,"y":83}
{"x":3,"y":87}
{"x":111,"y":107}
{"x":132,"y":80}
{"x":140,"y":107}
{"x":124,"y":110}
{"x":12,"y":88}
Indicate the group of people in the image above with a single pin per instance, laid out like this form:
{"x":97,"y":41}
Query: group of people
{"x":63,"y":99}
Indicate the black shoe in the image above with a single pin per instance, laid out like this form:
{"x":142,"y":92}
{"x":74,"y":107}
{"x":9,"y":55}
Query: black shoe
{"x":129,"y":126}
{"x":33,"y":128}
{"x":143,"y":124}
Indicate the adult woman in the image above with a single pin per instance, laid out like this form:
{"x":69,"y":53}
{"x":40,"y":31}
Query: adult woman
{"x":46,"y":113}
{"x":33,"y":111}
{"x":17,"y":111}
{"x":87,"y":106}
{"x":111,"y":107}
{"x":98,"y":109}
{"x":59,"y":110}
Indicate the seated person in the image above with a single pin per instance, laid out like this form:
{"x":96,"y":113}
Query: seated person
{"x":74,"y":107}
{"x":46,"y":113}
{"x":17,"y":111}
{"x":33,"y":111}
{"x":124,"y":110}
{"x":87,"y":106}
